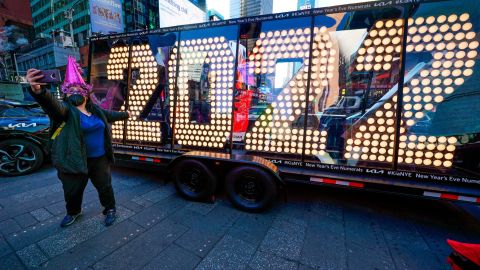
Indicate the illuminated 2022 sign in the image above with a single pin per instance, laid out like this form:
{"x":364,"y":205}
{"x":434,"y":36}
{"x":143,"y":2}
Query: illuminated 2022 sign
{"x":216,"y":53}
{"x":449,"y":39}
{"x":451,"y":43}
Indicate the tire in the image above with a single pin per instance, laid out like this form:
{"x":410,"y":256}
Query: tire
{"x":250,"y":188}
{"x":194,"y":180}
{"x":19,"y":157}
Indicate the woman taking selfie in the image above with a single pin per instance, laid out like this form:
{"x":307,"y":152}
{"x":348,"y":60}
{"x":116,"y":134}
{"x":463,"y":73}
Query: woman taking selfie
{"x":81,"y":143}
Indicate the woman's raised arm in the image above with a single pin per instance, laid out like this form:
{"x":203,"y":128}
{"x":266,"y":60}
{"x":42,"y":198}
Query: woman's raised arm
{"x":113,"y":116}
{"x":56,"y":110}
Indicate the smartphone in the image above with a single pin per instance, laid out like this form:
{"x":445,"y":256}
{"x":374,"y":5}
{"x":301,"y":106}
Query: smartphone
{"x":50,"y":76}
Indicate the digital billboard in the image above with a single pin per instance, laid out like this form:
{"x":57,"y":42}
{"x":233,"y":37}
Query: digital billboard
{"x":106,"y":16}
{"x":179,"y":12}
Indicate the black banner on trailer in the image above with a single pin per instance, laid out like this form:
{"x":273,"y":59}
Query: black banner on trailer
{"x":269,"y":17}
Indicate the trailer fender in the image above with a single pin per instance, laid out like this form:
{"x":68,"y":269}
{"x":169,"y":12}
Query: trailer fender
{"x":220,"y":159}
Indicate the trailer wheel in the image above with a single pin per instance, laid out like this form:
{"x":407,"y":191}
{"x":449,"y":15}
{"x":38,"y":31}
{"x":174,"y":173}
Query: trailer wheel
{"x":194,"y":180}
{"x":250,"y":188}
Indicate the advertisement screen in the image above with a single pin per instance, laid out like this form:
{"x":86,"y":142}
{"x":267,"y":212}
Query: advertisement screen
{"x":106,"y":16}
{"x":179,"y":12}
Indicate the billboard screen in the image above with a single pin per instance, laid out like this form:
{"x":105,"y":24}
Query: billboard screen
{"x":179,"y":12}
{"x":106,"y":16}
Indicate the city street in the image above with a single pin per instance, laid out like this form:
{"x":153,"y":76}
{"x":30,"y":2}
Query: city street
{"x":318,"y":228}
{"x":358,"y":96}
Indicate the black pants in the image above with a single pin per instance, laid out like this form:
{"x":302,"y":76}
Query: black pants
{"x":74,"y":185}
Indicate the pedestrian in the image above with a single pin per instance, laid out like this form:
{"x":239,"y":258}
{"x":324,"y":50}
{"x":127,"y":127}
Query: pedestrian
{"x":80,"y":139}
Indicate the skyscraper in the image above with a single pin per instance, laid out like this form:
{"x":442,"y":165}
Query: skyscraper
{"x":246,"y":8}
{"x":48,"y":16}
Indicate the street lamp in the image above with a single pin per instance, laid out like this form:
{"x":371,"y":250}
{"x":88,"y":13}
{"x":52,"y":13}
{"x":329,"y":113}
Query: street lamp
{"x":69,"y":16}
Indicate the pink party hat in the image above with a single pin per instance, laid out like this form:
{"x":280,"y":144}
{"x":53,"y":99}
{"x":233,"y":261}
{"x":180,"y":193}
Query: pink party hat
{"x":74,"y":78}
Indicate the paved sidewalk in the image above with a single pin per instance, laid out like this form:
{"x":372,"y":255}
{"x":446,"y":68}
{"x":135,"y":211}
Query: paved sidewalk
{"x":319,"y":228}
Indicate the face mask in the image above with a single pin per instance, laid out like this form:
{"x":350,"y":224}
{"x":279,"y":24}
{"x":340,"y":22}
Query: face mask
{"x":76,"y":99}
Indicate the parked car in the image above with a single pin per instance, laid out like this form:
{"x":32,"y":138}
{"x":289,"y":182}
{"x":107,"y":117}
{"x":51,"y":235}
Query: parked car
{"x":24,"y":128}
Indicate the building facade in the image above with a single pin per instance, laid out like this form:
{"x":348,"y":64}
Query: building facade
{"x":140,"y":14}
{"x":245,"y":8}
{"x":44,"y":54}
{"x":15,"y":30}
{"x":16,"y":12}
{"x":48,"y":16}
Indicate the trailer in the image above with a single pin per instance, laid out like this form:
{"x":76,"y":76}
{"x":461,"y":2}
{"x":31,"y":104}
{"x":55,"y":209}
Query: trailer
{"x":380,"y":96}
